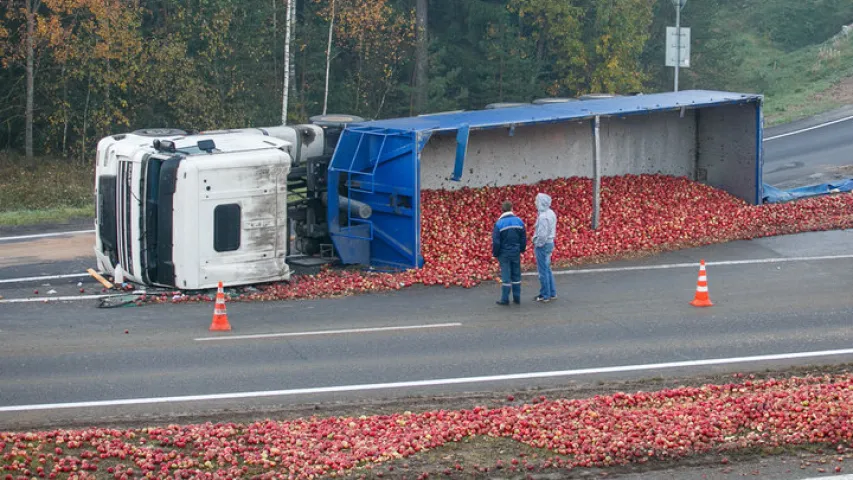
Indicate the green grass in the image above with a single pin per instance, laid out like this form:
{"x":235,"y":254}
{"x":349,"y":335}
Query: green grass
{"x":792,"y":81}
{"x":50,"y":215}
{"x":788,"y":50}
{"x":804,"y":74}
{"x":44,"y":190}
{"x":789,"y":76}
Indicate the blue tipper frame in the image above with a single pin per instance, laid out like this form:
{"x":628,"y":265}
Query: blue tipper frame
{"x":380,"y":167}
{"x":379,"y":163}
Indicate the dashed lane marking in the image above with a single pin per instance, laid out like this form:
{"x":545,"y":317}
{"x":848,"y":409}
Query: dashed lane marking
{"x":669,"y":266}
{"x":44,"y":235}
{"x":43,"y":278}
{"x":328,"y":332}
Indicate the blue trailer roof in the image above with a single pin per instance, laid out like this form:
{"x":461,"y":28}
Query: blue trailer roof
{"x":559,"y":112}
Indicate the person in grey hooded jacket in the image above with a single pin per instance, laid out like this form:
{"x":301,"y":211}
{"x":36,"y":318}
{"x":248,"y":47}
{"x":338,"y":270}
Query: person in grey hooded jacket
{"x":543,"y":243}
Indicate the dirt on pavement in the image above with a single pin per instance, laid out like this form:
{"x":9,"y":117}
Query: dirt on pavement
{"x":45,"y":250}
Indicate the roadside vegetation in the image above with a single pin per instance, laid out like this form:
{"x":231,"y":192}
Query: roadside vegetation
{"x":795,"y":53}
{"x":120,"y":69}
{"x":645,"y":427}
{"x":44,"y":190}
{"x":802,"y":83}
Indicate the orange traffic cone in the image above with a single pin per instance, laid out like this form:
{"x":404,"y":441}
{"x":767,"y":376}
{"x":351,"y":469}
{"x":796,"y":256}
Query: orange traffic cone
{"x":701,"y":299}
{"x":220,"y":317}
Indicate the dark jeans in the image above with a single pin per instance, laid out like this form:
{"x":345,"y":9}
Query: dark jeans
{"x":543,"y":266}
{"x":510,"y":277}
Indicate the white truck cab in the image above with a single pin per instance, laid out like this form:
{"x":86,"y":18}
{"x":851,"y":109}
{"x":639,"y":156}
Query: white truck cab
{"x":189,"y":211}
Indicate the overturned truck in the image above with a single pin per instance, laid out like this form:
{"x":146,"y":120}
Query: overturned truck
{"x":189,"y":210}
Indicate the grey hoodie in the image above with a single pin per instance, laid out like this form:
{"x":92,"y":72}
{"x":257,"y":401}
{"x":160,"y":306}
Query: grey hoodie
{"x":546,"y":223}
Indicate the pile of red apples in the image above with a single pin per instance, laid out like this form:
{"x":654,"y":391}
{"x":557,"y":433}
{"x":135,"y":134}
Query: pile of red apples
{"x":602,"y":431}
{"x":640,"y":215}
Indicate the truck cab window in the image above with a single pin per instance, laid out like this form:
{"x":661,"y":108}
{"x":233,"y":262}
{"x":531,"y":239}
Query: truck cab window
{"x":226,"y":227}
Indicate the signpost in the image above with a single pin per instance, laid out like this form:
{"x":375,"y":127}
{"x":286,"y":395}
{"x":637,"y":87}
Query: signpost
{"x":677,"y":42}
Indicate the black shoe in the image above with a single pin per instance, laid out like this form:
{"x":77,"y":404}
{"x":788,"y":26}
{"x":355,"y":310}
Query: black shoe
{"x":539,"y":298}
{"x":502,"y":303}
{"x":517,"y":302}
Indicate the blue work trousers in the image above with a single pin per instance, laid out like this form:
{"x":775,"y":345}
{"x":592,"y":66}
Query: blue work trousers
{"x":543,"y":266}
{"x":510,"y":277}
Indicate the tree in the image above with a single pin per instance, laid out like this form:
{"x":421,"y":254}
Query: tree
{"x":25,"y":15}
{"x":422,"y":54}
{"x":100,"y":66}
{"x":32,"y":9}
{"x":478,"y":56}
{"x":329,"y":57}
{"x":375,"y":41}
{"x":556,"y":28}
{"x":593,"y":45}
{"x":287,"y":59}
{"x":616,"y":33}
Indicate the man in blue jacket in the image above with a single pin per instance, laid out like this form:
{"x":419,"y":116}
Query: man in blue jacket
{"x":509,"y":241}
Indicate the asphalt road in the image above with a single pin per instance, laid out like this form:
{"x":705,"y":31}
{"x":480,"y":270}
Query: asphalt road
{"x":73,"y":352}
{"x":70,"y":352}
{"x":822,"y":155}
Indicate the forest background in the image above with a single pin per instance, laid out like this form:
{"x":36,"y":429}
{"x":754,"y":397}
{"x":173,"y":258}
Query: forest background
{"x":73,"y":71}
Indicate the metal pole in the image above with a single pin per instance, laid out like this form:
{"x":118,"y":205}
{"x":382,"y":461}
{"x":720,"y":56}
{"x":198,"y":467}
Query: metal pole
{"x":596,"y":172}
{"x":677,"y":41}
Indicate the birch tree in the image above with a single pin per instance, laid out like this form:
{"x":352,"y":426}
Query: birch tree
{"x":422,"y":55}
{"x":287,"y":61}
{"x":329,"y":58}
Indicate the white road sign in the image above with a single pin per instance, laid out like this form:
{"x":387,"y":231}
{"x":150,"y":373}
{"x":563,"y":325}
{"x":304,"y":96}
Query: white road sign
{"x":672,"y":46}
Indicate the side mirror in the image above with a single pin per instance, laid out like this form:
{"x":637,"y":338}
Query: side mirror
{"x":206,"y":145}
{"x":165,"y":146}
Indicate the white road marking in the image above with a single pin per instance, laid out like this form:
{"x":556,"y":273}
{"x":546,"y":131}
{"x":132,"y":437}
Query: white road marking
{"x":327,"y":332}
{"x":526,"y":274}
{"x":669,"y":266}
{"x":44,"y":235}
{"x":47,"y":299}
{"x":808,"y":129}
{"x":426,"y":383}
{"x":834,"y":477}
{"x":46,"y":277}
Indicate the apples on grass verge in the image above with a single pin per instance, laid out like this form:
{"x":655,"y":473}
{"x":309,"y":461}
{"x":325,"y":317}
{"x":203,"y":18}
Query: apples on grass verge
{"x":601,"y":431}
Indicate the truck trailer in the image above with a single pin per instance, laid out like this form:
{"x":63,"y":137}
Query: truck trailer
{"x":188,"y":209}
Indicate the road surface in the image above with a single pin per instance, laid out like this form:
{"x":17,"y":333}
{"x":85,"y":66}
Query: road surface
{"x":772,"y":296}
{"x":778,"y":302}
{"x":73,"y":352}
{"x":819,"y":155}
